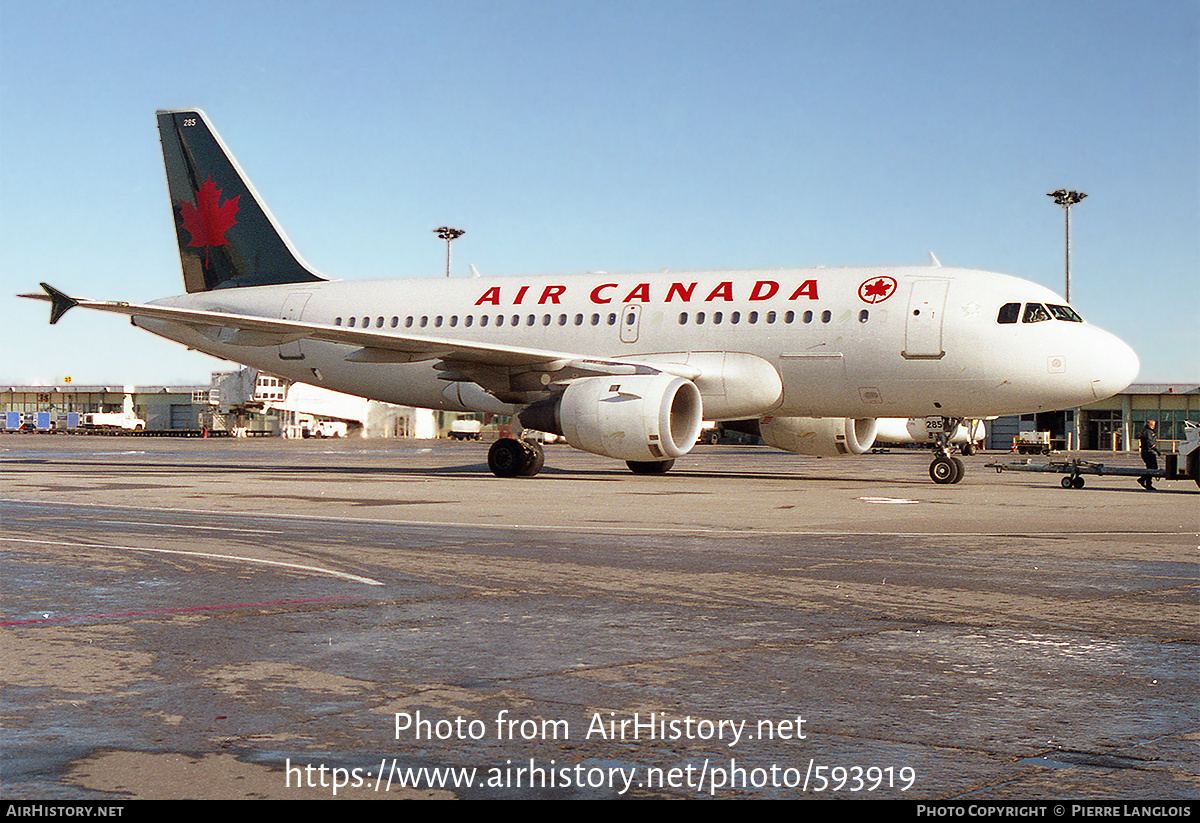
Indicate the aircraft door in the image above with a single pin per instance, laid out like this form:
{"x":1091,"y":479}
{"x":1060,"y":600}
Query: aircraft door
{"x":631,"y":319}
{"x":293,"y":309}
{"x":923,"y":330}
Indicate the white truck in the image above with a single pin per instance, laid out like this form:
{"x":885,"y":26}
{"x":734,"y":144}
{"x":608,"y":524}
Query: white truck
{"x":329,"y":428}
{"x":113,"y":421}
{"x":465,"y":429}
{"x":1033,"y":443}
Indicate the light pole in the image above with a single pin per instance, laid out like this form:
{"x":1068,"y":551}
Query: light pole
{"x":449,"y":235}
{"x":1066,"y":199}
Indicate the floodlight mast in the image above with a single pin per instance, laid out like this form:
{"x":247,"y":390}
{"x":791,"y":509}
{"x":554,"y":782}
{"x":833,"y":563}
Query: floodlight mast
{"x":449,"y":235}
{"x":1066,"y":199}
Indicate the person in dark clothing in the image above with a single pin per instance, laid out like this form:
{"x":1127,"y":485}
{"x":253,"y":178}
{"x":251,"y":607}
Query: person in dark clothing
{"x":1149,"y":446}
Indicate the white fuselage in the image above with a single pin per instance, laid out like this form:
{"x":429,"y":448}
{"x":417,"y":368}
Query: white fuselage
{"x":868,"y":342}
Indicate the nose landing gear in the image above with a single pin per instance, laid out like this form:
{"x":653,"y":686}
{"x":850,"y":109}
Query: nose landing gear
{"x":946,"y":468}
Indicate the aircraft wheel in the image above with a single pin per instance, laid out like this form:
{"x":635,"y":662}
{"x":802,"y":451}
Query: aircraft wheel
{"x":649,"y":466}
{"x":1067,"y":482}
{"x":535,"y":458}
{"x":1193,"y":466}
{"x":507,"y":458}
{"x":960,"y":469}
{"x":968,"y":449}
{"x":942,"y":471}
{"x":1077,"y":482}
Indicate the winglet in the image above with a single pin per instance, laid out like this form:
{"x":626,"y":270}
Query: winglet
{"x":59,"y":303}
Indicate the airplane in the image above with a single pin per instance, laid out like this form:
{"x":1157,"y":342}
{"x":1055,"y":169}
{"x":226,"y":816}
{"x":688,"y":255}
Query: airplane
{"x":621,"y":365}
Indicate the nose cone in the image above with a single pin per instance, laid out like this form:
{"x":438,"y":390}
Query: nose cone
{"x":1114,"y":365}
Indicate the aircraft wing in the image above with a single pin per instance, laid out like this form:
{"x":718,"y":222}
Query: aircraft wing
{"x":475,"y":361}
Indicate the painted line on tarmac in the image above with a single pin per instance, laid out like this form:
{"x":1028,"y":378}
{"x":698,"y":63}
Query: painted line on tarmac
{"x":206,"y":555}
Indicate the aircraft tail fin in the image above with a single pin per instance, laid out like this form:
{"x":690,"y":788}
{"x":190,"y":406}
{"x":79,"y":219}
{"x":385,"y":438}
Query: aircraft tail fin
{"x":227,"y":237}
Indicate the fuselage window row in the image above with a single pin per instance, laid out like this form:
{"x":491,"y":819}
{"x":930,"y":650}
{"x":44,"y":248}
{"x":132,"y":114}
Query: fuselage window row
{"x":698,"y":318}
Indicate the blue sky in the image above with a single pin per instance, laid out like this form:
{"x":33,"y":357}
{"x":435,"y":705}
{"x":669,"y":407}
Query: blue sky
{"x":570,"y":137}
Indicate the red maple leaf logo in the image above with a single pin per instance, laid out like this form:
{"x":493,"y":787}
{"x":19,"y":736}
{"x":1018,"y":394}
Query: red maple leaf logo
{"x":209,"y":219}
{"x":877,"y":290}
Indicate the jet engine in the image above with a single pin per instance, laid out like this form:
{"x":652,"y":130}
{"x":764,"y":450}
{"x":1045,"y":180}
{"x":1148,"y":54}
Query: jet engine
{"x":640,"y":418}
{"x":819,"y":436}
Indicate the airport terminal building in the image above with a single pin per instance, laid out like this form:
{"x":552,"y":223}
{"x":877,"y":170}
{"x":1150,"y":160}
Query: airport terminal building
{"x":256,"y":403}
{"x":246,"y":402}
{"x":1108,"y":425}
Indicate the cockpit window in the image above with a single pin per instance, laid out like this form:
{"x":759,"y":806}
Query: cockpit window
{"x":1064,"y":313}
{"x":1009,"y":313}
{"x":1035,"y":313}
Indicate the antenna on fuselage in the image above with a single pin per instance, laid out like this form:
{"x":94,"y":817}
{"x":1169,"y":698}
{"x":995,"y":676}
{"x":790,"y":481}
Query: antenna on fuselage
{"x":933,"y":261}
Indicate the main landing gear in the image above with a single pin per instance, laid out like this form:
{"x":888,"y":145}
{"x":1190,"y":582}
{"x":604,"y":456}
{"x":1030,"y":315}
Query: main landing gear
{"x":509,"y":457}
{"x":946,"y":468}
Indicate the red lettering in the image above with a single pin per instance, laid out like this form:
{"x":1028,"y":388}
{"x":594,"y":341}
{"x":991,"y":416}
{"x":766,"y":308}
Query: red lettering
{"x":520,"y":295}
{"x":764,"y":290}
{"x":678,"y":288}
{"x":551,"y":293}
{"x":640,"y":292}
{"x":807,"y":288}
{"x":724,"y":290}
{"x":596,"y":293}
{"x":492,"y":296}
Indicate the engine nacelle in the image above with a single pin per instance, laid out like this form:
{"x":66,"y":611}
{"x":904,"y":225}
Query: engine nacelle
{"x":819,"y":436}
{"x":642,"y":417}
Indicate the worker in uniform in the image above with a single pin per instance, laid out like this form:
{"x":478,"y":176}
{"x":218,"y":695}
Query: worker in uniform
{"x":1149,"y":448}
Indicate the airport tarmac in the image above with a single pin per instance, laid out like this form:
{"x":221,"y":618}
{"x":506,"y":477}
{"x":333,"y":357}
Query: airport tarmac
{"x":304,"y":619}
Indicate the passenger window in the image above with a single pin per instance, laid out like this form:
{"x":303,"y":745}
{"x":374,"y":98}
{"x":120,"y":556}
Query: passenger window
{"x":579,"y":320}
{"x":699,"y":318}
{"x":735,"y":317}
{"x":595,"y":320}
{"x":1009,"y":313}
{"x":753,"y":317}
{"x":437,"y":321}
{"x":808,"y":317}
{"x":424,"y":321}
{"x":717,"y":317}
{"x":408,"y":322}
{"x":770,"y":317}
{"x":453,"y":320}
{"x":469,"y":320}
{"x":395,"y":322}
{"x":337,"y":321}
{"x":683,"y":318}
{"x":789,"y":317}
{"x":863,"y":316}
{"x":1064,"y":313}
{"x":612,"y":320}
{"x":353,"y":320}
{"x":1035,"y":313}
{"x":379,"y":322}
